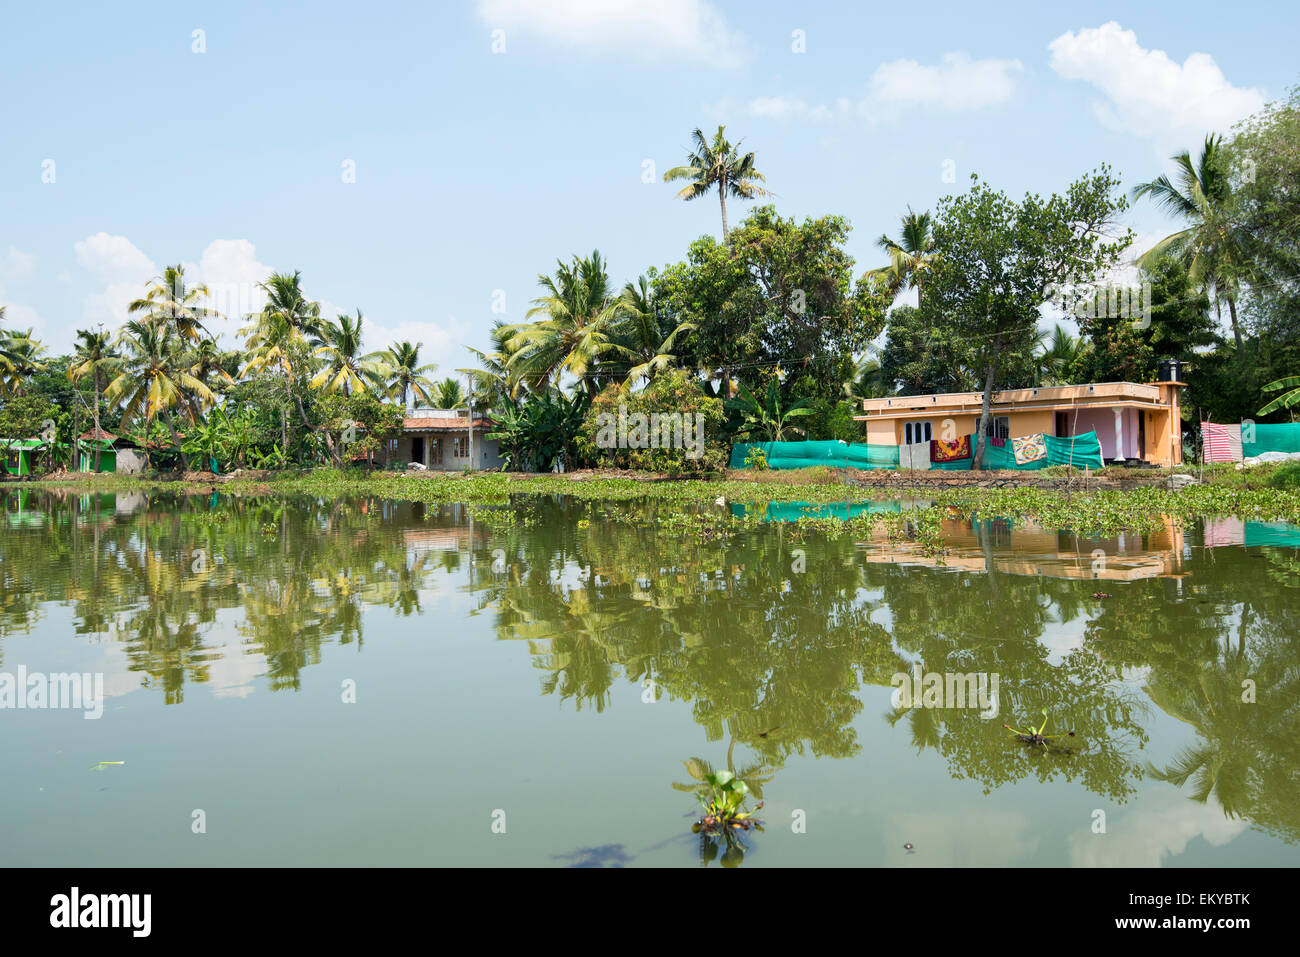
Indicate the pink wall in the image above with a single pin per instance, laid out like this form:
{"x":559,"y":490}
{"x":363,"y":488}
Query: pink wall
{"x":1102,"y":421}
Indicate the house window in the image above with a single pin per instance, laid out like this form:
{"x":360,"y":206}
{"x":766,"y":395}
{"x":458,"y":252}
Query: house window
{"x":1001,"y":427}
{"x":914,"y":432}
{"x":462,"y":447}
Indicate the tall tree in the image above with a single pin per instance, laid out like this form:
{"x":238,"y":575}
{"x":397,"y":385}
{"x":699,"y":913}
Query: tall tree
{"x":1210,"y":248}
{"x":20,"y":358}
{"x":168,"y":302}
{"x":998,"y":261}
{"x":641,"y":338}
{"x":571,"y":326}
{"x":909,"y":255}
{"x":95,"y":357}
{"x":718,"y":164}
{"x":400,"y":366}
{"x":155,"y":381}
{"x":343,"y":368}
{"x":278,"y":337}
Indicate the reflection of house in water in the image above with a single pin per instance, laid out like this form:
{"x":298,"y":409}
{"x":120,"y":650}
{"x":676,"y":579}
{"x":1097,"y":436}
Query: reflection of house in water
{"x":128,"y":503}
{"x":443,"y":538}
{"x":1023,"y":547}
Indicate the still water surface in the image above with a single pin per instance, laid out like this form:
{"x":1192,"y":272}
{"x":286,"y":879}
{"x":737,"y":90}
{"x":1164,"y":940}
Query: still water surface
{"x":355,"y":682}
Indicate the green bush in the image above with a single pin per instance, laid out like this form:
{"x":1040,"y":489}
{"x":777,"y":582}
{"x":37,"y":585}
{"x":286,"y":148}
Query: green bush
{"x":1288,"y":476}
{"x":756,"y":459}
{"x":619,"y":428}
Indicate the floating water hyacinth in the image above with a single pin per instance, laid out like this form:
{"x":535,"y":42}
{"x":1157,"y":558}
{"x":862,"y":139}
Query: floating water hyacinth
{"x":100,"y":765}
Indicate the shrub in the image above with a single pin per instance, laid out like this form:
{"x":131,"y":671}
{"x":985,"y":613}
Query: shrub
{"x":756,"y":459}
{"x":1288,"y":476}
{"x":670,"y":426}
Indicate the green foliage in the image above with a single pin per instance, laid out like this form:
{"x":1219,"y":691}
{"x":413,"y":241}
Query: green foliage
{"x":756,"y":459}
{"x":543,"y":429}
{"x":22,"y":416}
{"x":768,"y":419}
{"x":684,"y":415}
{"x":1288,"y":476}
{"x":777,"y":289}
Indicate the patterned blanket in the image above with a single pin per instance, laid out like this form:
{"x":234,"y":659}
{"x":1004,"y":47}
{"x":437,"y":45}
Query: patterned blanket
{"x":941,"y":451}
{"x":1030,"y":448}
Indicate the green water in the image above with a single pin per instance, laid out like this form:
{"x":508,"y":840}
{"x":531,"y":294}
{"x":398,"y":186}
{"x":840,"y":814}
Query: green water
{"x":357,"y":682}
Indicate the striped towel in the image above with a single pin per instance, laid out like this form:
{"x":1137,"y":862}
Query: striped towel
{"x":1222,"y":442}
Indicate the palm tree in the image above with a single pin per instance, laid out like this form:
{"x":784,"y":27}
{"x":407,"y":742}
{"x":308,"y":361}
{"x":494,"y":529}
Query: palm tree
{"x":400,"y":366}
{"x":638,"y":337}
{"x":449,"y":394}
{"x":344,"y":369}
{"x":20,"y":358}
{"x":1209,"y":247}
{"x":580,"y":310}
{"x":910,"y":255}
{"x":96,"y":357}
{"x":277,"y":336}
{"x":167,"y":302}
{"x":155,"y":381}
{"x":718,"y":164}
{"x":499,"y":383}
{"x":1058,"y":362}
{"x":207,"y":359}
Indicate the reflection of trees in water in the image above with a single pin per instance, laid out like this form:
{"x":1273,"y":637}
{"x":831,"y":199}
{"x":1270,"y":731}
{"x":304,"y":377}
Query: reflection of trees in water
{"x":156,"y":577}
{"x":991,"y":624}
{"x":773,"y":660}
{"x":1237,"y":624}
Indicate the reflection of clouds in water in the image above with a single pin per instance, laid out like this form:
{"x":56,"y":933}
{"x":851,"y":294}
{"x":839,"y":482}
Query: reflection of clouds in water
{"x":1146,"y":837}
{"x":978,"y":837}
{"x":1060,"y":639}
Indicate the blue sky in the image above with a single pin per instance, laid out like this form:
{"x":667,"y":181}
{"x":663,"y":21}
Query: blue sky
{"x":475,"y":169}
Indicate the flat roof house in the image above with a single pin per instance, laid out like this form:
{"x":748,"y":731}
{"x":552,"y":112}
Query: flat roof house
{"x":1133,"y":421}
{"x":439,"y":439}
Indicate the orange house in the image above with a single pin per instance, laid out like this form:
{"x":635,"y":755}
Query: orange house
{"x":1134,"y":421}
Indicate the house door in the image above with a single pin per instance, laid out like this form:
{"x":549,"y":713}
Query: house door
{"x":417,"y":449}
{"x":1142,"y":434}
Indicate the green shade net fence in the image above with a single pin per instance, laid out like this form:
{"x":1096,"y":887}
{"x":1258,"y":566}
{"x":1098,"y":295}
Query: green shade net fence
{"x":1279,"y":437}
{"x":1078,"y":450}
{"x":802,"y":455}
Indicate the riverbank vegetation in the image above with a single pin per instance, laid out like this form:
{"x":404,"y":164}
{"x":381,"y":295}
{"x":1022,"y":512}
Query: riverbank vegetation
{"x":771,"y":330}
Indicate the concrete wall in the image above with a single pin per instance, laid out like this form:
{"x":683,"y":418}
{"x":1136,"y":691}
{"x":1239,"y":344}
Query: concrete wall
{"x":440,"y":451}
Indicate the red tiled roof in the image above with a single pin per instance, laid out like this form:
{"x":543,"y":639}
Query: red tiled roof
{"x":99,"y":434}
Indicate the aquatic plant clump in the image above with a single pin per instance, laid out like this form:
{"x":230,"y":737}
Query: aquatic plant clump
{"x":724,"y":806}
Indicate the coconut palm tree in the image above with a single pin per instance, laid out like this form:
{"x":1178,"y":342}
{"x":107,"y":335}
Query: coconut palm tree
{"x":719,"y":164}
{"x":910,"y":255}
{"x":400,"y":366}
{"x":449,"y":394}
{"x":278,"y":336}
{"x":95,"y":357}
{"x":20,"y":358}
{"x":1058,"y":362}
{"x":169,"y":302}
{"x":498,"y":383}
{"x":208,"y":360}
{"x":344,"y":369}
{"x":580,"y":311}
{"x":1209,"y":248}
{"x":155,"y":382}
{"x":638,"y":337}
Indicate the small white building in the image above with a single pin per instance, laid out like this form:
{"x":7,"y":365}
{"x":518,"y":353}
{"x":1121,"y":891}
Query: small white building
{"x":439,"y":439}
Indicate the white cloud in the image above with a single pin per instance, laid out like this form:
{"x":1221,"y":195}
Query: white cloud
{"x":233,"y":274}
{"x":785,"y":108}
{"x":1146,"y":92}
{"x":1149,"y":836}
{"x":16,"y":265}
{"x":666,"y":29}
{"x":957,"y":83}
{"x":121,"y":268}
